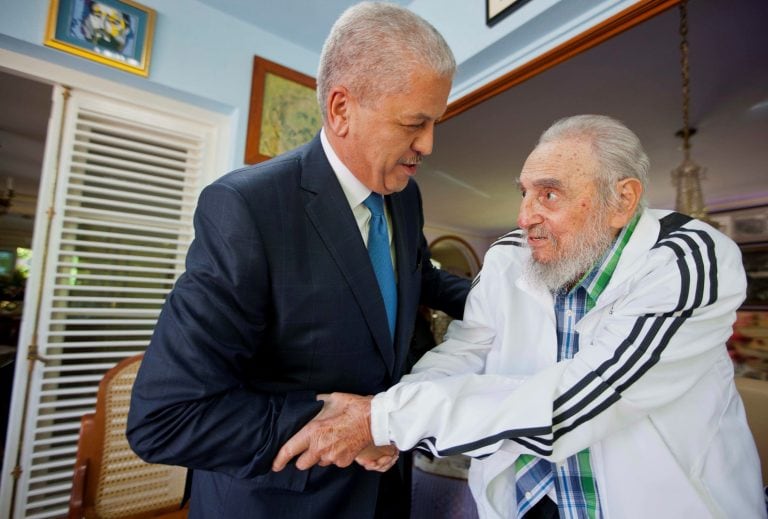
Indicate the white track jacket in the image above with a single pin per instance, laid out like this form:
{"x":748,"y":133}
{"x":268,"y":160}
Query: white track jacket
{"x":650,"y":392}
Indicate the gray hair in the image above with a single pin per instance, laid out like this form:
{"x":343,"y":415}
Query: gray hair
{"x":373,"y":46}
{"x":617,"y":149}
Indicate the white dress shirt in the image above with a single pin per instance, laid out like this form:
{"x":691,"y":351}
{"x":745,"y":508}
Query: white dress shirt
{"x":356,"y":193}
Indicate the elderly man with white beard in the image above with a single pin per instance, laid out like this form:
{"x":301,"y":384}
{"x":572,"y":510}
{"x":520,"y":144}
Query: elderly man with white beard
{"x":589,"y":377}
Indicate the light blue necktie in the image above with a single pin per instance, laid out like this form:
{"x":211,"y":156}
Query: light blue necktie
{"x":378,"y":250}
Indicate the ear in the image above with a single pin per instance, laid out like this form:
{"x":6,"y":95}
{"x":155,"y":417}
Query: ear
{"x":630,"y":191}
{"x":338,"y":109}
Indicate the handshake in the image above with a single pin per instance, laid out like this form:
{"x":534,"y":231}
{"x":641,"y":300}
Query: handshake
{"x":338,"y":435}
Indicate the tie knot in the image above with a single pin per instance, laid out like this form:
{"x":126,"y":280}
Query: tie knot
{"x":375,"y":204}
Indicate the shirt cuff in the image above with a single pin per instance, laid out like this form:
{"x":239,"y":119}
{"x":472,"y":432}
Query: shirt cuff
{"x":380,"y":420}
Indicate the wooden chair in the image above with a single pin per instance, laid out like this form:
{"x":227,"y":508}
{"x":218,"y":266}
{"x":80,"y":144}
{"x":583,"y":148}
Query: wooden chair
{"x":110,"y":481}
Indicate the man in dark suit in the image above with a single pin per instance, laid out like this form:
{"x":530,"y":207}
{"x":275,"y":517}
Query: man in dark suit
{"x":281,"y":301}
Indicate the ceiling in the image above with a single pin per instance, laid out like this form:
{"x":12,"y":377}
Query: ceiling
{"x":468,"y":183}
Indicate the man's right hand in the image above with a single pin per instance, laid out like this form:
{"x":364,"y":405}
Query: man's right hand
{"x":336,"y":436}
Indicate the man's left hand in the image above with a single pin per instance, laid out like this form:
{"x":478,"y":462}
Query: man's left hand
{"x":339,"y":432}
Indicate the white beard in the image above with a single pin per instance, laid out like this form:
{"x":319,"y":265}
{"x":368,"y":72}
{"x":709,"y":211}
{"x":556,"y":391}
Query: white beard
{"x":580,"y":257}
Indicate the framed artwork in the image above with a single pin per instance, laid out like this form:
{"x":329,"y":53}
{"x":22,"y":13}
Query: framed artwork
{"x":744,"y":225}
{"x":755,"y":259}
{"x":496,"y":10}
{"x":117,"y":33}
{"x":283,"y":112}
{"x":748,"y":226}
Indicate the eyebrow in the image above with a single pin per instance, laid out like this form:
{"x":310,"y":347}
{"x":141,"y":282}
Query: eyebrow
{"x":423,"y":116}
{"x":418,"y":117}
{"x":551,"y":183}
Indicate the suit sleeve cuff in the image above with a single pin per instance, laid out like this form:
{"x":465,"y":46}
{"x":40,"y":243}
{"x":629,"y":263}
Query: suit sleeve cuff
{"x":380,"y":420}
{"x":299,"y":407}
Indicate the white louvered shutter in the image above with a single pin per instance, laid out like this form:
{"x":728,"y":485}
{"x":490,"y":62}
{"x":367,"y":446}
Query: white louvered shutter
{"x":126,"y":188}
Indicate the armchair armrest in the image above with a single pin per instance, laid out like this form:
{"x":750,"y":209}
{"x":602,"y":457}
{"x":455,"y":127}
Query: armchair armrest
{"x":79,"y":478}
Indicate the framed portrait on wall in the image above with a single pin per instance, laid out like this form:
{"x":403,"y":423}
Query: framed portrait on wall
{"x":117,"y":33}
{"x":755,"y":258}
{"x":496,"y":10}
{"x":744,"y":225}
{"x":283,"y":112}
{"x":748,"y":227}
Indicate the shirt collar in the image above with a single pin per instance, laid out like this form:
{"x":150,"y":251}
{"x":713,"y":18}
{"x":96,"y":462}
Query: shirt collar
{"x":354,"y":190}
{"x":595,"y":281}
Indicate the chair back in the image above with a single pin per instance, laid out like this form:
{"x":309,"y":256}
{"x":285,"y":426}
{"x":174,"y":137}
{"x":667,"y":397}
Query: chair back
{"x":117,"y":483}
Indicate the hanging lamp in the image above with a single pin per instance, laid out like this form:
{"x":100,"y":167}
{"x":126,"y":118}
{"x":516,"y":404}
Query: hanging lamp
{"x":687,"y":176}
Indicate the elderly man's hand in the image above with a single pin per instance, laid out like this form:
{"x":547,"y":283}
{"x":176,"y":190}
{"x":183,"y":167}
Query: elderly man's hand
{"x":339,"y":432}
{"x":380,"y":459}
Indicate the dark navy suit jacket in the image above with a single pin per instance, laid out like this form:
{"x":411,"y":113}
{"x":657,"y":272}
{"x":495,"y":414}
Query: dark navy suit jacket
{"x":278,"y":303}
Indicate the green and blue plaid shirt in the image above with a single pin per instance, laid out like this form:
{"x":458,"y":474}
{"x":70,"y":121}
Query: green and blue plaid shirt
{"x":573,"y":481}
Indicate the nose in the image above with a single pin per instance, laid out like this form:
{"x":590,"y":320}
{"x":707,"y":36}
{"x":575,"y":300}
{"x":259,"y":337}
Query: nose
{"x":528,"y":214}
{"x":425,"y":139}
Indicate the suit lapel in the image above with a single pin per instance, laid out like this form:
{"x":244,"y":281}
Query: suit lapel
{"x":403,"y":251}
{"x":328,"y":210}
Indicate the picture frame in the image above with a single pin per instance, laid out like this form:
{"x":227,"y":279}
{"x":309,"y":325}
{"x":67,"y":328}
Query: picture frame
{"x":117,"y":33}
{"x":743,"y":225}
{"x":748,"y":227}
{"x":755,"y":259}
{"x":283,"y":111}
{"x":497,"y":10}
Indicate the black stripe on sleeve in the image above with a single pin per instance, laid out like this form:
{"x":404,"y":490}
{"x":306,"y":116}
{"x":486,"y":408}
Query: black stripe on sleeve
{"x":601,"y":372}
{"x":685,"y":281}
{"x":698,"y":261}
{"x":590,"y":377}
{"x":513,"y":434}
{"x":538,"y":450}
{"x":709,"y":243}
{"x":655,"y":356}
{"x":632,"y":362}
{"x":608,"y":402}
